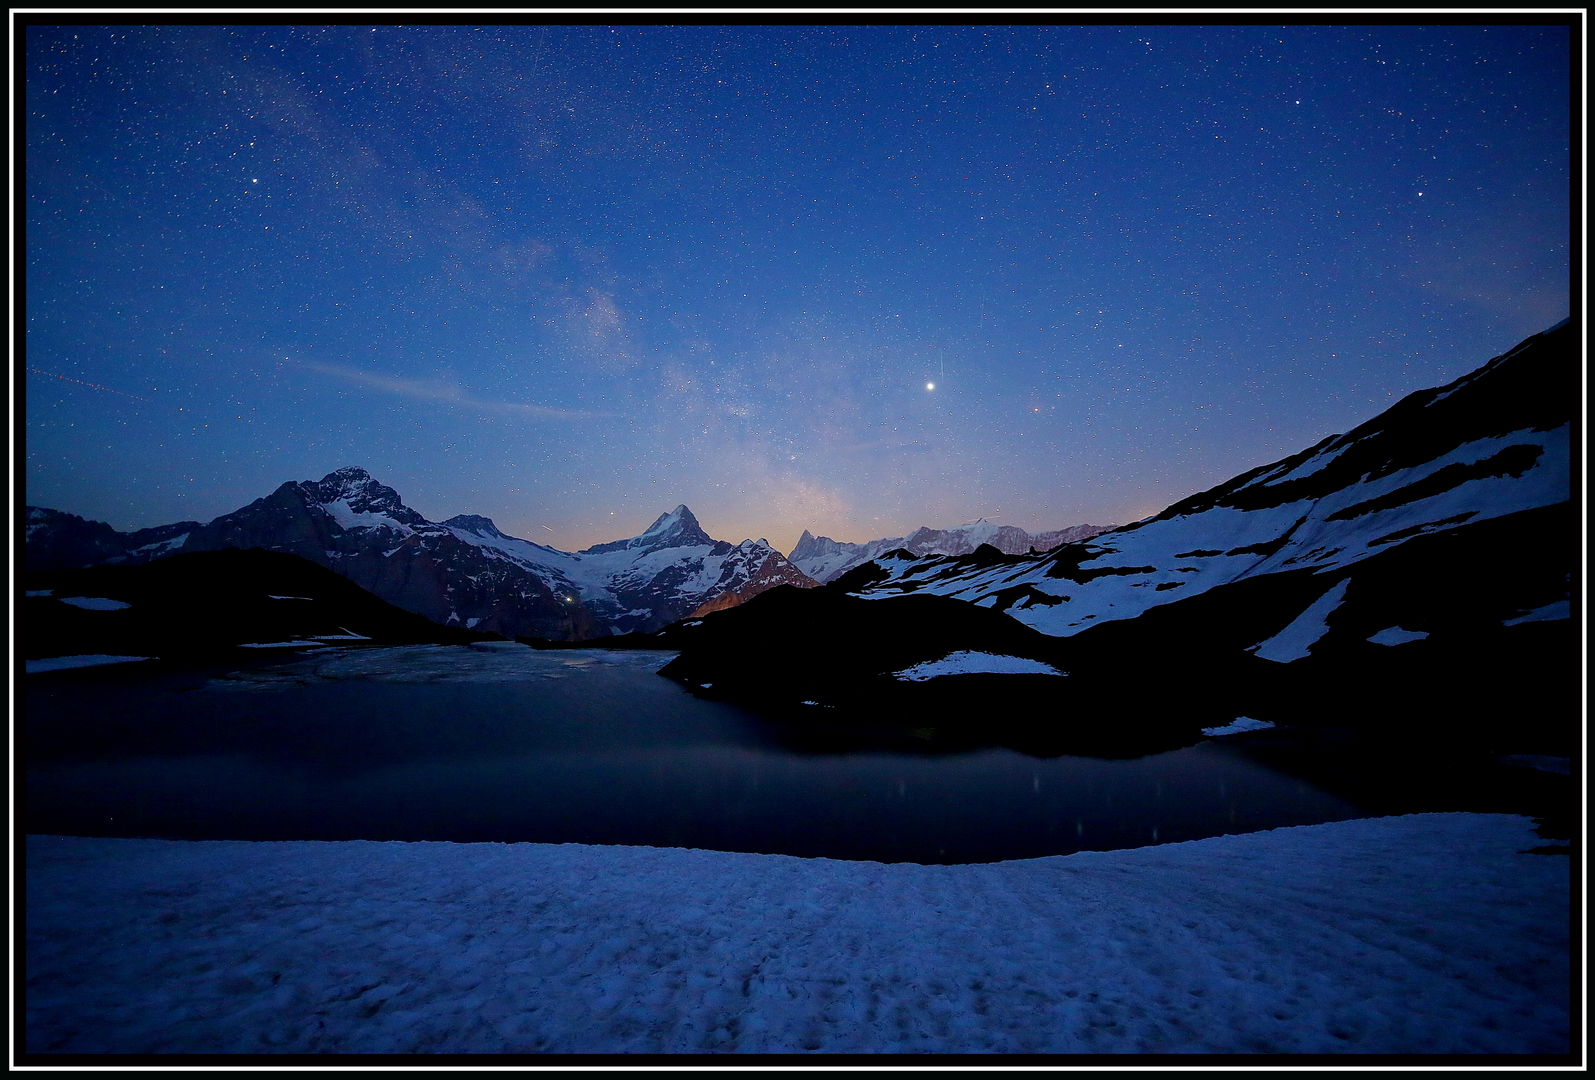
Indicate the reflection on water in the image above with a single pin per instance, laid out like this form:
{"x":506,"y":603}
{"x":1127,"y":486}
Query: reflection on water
{"x":606,"y":752}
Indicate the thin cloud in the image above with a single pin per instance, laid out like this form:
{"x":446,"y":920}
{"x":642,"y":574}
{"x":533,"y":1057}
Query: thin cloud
{"x":446,"y":393}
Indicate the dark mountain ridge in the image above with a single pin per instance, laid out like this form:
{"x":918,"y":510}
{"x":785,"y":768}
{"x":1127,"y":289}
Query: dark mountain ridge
{"x":213,"y":606}
{"x":1413,"y":574}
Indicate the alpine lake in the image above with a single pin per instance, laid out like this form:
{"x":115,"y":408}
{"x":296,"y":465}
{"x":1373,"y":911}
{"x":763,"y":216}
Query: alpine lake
{"x":432,"y":743}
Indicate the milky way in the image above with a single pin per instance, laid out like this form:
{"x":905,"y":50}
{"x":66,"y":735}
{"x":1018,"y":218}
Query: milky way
{"x":849,"y":279}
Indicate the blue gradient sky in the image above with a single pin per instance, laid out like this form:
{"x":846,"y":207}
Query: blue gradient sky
{"x":568,"y":277}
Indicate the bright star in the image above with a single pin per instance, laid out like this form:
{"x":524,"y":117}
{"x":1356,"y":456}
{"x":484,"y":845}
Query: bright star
{"x":930,"y":386}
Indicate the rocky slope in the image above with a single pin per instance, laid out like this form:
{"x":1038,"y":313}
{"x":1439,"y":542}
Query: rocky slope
{"x":461,"y":572}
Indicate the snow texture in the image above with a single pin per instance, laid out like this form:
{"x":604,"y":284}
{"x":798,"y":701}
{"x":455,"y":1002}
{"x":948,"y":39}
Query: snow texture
{"x":1425,"y":934}
{"x":1240,"y":724}
{"x":279,"y":644}
{"x":59,"y":663}
{"x":1292,"y":642}
{"x":1395,"y":635}
{"x":969,"y":663}
{"x":95,"y":603}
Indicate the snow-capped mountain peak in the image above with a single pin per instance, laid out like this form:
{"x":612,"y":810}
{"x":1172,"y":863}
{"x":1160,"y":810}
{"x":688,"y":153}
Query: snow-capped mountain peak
{"x":664,"y":523}
{"x":356,"y":500}
{"x":676,"y":529}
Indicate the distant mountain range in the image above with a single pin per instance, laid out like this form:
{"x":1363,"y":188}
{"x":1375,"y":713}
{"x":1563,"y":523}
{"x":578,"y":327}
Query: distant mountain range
{"x":465,"y":572}
{"x":461,"y":572}
{"x":1414,"y":572}
{"x":824,"y":559}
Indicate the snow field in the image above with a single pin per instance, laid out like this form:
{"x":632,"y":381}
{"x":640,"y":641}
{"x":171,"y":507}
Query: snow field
{"x":1421,"y":934}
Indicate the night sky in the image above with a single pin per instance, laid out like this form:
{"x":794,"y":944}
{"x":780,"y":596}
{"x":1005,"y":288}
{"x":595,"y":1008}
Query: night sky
{"x":568,"y":277}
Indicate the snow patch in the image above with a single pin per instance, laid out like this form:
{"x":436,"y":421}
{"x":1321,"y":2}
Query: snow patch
{"x":95,"y":603}
{"x":1562,"y":609}
{"x":1240,"y":724}
{"x":967,"y":662}
{"x":41,"y":592}
{"x":1394,"y":635}
{"x":349,"y":518}
{"x":161,"y":546}
{"x":1292,"y":642}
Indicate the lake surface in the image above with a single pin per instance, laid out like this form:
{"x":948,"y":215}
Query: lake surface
{"x":587,"y":746}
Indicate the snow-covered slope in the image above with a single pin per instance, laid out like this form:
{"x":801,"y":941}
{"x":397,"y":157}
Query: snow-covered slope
{"x":824,"y":559}
{"x":460,"y":572}
{"x":1492,"y":444}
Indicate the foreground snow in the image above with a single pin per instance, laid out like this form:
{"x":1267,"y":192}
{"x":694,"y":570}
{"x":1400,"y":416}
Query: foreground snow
{"x":1422,"y":934}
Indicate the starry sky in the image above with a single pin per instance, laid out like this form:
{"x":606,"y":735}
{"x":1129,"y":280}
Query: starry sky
{"x":853,"y":279}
